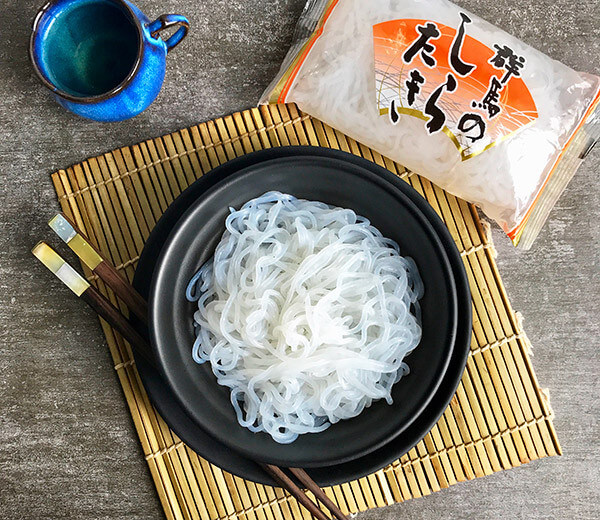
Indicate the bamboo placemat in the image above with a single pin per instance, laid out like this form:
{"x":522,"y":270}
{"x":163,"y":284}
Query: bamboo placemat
{"x":498,"y":419}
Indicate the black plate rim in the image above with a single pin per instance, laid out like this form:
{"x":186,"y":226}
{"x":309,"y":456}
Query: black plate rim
{"x":216,"y":452}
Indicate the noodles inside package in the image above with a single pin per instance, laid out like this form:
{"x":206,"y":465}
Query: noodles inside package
{"x":450,"y":97}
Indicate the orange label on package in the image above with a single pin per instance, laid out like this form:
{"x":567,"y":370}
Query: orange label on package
{"x":450,"y":80}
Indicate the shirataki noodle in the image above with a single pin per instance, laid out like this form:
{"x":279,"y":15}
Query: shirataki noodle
{"x":306,"y":313}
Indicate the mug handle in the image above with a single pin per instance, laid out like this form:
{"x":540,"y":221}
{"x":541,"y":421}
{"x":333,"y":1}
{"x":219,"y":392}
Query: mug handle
{"x":164,"y":21}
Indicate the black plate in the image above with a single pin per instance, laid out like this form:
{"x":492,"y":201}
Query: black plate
{"x":215,"y":451}
{"x":192,"y":242}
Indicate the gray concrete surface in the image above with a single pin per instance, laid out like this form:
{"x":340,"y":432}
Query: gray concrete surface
{"x":67,"y":444}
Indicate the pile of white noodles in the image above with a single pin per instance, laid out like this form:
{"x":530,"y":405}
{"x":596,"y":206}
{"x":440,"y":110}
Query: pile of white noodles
{"x":306,"y":312}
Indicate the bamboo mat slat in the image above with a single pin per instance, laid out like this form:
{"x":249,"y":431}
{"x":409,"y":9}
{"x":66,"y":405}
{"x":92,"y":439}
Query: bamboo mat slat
{"x":499,"y":417}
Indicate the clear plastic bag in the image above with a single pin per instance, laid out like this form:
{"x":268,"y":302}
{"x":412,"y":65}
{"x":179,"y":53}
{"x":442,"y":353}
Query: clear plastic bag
{"x":449,"y":96}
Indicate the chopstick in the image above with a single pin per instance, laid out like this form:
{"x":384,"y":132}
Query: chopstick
{"x":311,"y":485}
{"x":113,"y":317}
{"x":80,"y":286}
{"x":99,"y":265}
{"x":287,"y":483}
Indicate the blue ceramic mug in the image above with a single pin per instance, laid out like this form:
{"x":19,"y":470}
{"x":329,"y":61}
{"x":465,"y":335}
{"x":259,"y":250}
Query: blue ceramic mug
{"x":103,"y":59}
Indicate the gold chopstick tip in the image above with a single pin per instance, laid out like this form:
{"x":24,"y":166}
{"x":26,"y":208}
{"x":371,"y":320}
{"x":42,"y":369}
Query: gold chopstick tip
{"x":45,"y":254}
{"x":77,"y":242}
{"x":61,"y":269}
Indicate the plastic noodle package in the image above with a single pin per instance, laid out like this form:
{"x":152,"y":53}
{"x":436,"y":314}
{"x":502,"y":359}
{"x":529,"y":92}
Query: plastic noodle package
{"x":449,"y":96}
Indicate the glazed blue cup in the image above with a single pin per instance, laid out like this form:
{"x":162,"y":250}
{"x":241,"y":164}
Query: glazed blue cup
{"x":102,"y":59}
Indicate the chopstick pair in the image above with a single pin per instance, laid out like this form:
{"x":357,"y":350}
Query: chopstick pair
{"x":100,"y":266}
{"x":90,"y":295}
{"x":287,"y":483}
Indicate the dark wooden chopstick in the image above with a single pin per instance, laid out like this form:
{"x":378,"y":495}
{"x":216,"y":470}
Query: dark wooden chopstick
{"x":113,"y":317}
{"x":311,"y":485}
{"x":287,"y":483}
{"x":99,"y":265}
